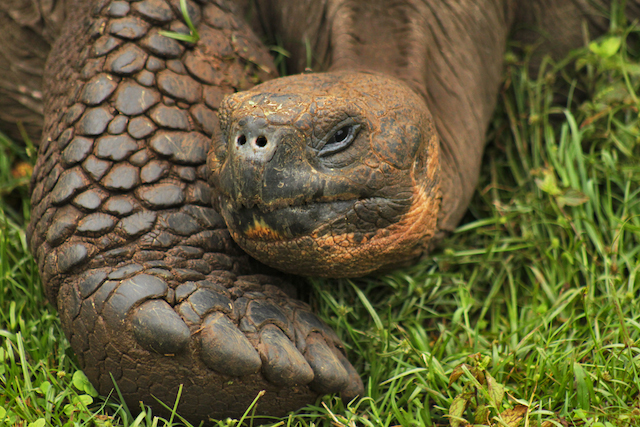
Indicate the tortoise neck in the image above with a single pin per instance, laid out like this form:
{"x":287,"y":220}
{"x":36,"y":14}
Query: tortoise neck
{"x":381,"y":37}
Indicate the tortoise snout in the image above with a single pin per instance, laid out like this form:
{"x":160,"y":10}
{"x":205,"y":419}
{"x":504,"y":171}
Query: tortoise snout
{"x":254,"y":140}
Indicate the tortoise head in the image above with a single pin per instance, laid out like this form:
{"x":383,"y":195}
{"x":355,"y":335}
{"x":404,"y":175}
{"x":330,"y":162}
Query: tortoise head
{"x":332,"y":174}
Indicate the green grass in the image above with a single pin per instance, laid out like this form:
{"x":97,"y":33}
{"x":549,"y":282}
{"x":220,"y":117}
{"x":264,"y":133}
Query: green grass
{"x":527,"y":316}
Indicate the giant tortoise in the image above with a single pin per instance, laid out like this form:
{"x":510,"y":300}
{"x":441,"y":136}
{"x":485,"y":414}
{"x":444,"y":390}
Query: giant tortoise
{"x":164,"y":205}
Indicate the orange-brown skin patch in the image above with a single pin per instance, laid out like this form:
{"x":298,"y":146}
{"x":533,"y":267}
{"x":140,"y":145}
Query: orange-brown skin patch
{"x":261,"y":231}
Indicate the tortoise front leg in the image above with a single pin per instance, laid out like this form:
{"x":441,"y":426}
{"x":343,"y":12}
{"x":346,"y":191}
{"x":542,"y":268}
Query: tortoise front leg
{"x":150,"y":287}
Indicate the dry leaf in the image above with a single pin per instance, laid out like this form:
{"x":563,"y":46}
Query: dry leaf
{"x":512,"y":417}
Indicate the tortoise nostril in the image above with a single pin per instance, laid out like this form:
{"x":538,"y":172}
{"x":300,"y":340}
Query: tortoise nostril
{"x":241,"y":140}
{"x":261,"y":141}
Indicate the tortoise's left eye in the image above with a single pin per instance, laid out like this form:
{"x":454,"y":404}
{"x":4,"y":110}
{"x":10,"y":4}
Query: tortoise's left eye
{"x":340,"y":140}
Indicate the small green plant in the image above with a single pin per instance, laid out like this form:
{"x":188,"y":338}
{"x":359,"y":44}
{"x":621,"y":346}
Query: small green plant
{"x":484,"y":398}
{"x":193,"y":35}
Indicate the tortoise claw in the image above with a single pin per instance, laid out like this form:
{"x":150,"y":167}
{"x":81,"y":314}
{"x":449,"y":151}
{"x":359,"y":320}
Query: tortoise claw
{"x":225,"y":349}
{"x":321,"y":346}
{"x":330,"y":374}
{"x":158,"y":328}
{"x":354,"y":387}
{"x":282,"y":362}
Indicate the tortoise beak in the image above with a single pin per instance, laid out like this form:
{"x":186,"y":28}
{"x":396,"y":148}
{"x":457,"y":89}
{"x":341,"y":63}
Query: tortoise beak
{"x":284,"y":223}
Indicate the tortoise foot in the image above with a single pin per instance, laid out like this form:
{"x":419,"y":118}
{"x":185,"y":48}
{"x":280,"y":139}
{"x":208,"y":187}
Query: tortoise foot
{"x":153,"y":334}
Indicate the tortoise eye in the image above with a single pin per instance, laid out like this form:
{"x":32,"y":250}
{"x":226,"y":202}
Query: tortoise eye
{"x":340,"y":140}
{"x":340,"y":135}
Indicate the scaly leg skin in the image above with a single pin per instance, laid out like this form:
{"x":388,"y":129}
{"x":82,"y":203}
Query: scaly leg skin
{"x":149,"y":285}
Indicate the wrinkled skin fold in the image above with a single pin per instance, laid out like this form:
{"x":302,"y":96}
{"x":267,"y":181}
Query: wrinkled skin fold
{"x":134,"y":208}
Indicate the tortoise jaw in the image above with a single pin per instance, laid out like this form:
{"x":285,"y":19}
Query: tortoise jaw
{"x":336,"y":242}
{"x":285,"y":223}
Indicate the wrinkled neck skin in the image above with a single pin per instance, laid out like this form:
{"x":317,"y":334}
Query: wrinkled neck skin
{"x":420,"y":43}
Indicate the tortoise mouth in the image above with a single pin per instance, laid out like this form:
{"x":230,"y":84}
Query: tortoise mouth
{"x":285,"y":223}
